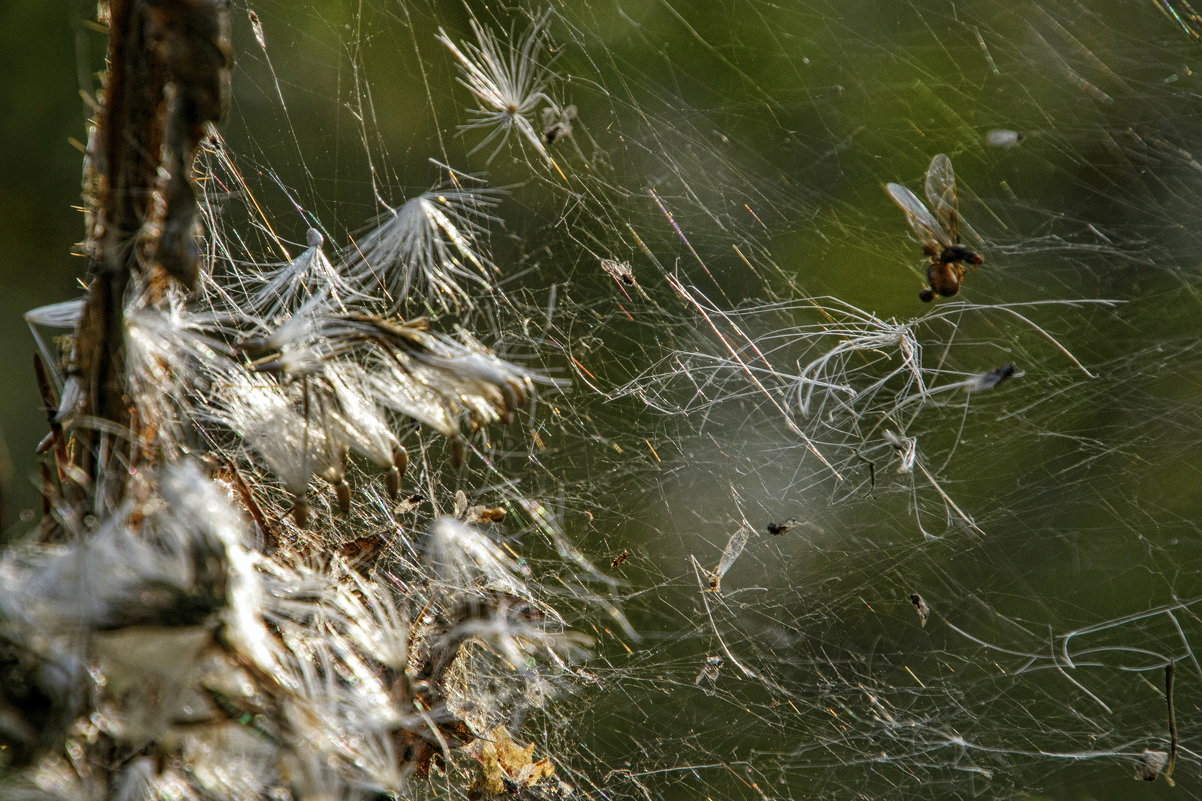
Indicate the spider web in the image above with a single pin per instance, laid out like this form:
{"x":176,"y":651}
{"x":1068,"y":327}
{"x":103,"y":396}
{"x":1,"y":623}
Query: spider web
{"x":765,"y":360}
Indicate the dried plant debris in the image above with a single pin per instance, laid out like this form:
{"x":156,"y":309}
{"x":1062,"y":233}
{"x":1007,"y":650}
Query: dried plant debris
{"x":507,"y":767}
{"x":193,"y":632}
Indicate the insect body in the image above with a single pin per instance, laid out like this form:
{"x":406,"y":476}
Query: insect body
{"x":620,"y":271}
{"x":991,"y":379}
{"x":557,"y":124}
{"x":783,"y":527}
{"x":709,"y":670}
{"x":921,"y":607}
{"x":939,"y":231}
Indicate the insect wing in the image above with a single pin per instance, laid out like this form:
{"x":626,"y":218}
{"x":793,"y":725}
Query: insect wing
{"x":922,"y":222}
{"x":941,"y":195}
{"x":734,"y":548}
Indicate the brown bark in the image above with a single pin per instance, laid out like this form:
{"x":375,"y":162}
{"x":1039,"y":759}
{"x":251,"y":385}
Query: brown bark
{"x":167,"y":80}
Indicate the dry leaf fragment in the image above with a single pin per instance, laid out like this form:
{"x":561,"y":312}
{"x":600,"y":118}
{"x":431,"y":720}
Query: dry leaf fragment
{"x":506,"y":766}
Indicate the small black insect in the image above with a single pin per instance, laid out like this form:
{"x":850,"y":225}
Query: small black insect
{"x":620,"y":271}
{"x":991,"y":379}
{"x":783,"y":527}
{"x":921,"y":607}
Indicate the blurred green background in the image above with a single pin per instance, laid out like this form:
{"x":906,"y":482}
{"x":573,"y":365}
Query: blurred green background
{"x":39,"y":188}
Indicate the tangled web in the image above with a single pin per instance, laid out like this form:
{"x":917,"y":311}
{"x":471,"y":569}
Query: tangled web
{"x":821,"y":540}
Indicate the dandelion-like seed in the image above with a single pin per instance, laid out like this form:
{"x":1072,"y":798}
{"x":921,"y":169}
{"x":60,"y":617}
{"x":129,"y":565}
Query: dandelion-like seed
{"x":287,"y":286}
{"x":294,"y":447}
{"x":172,"y":356}
{"x":363,"y":425}
{"x":466,"y":559}
{"x":431,"y":242}
{"x":508,"y":82}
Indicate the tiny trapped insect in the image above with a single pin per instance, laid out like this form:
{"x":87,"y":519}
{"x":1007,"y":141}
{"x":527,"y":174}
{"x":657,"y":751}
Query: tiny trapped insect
{"x":620,"y":558}
{"x":478,"y":514}
{"x":991,"y":379}
{"x":409,"y":504}
{"x":939,"y":232}
{"x":619,"y":270}
{"x":783,"y":527}
{"x":921,"y":607}
{"x":557,"y":123}
{"x":730,"y":554}
{"x":709,"y":670}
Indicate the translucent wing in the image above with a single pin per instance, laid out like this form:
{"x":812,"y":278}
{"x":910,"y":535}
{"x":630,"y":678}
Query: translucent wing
{"x":941,"y":195}
{"x":734,"y":549}
{"x":922,"y":222}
